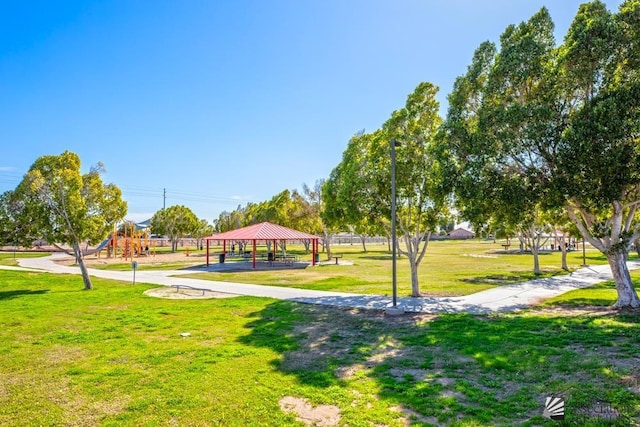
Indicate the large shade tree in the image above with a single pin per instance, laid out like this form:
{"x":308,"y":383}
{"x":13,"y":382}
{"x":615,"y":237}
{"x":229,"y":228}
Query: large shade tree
{"x":563,"y":122}
{"x":61,"y":205}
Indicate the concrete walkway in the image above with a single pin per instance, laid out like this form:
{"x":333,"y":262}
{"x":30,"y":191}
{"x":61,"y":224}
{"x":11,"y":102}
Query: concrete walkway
{"x":499,"y":299}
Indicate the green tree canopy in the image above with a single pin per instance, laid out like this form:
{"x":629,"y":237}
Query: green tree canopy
{"x":175,"y":222}
{"x":61,"y":205}
{"x":15,"y":228}
{"x":535,"y":125}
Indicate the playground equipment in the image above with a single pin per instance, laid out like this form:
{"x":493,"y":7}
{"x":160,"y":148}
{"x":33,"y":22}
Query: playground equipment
{"x":135,"y":241}
{"x":128,"y":241}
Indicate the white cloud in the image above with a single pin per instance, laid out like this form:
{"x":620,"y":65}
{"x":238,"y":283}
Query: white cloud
{"x":8,"y":169}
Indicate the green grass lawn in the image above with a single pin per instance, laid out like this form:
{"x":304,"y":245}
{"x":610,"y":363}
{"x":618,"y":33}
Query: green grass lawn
{"x":113,"y":356}
{"x":449,"y":268}
{"x":11,"y":258}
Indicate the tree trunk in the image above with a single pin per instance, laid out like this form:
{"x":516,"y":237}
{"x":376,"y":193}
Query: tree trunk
{"x":415,"y":285}
{"x":563,"y":248}
{"x":536,"y":259}
{"x":363,"y":239}
{"x":326,"y":239}
{"x":617,"y":257}
{"x":416,"y":247}
{"x":627,"y":296}
{"x":83,"y":268}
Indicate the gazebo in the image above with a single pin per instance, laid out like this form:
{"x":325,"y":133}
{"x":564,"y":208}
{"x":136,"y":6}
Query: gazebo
{"x":263,"y":232}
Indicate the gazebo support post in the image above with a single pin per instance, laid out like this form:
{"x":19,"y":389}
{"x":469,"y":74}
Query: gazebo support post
{"x":254,"y":254}
{"x":207,"y":253}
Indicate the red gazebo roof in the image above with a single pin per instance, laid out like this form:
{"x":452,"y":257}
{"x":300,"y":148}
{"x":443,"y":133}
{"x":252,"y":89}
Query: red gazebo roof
{"x":262,"y":231}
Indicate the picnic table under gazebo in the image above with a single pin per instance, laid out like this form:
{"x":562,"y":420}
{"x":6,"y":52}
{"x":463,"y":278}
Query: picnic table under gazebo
{"x":263,"y":232}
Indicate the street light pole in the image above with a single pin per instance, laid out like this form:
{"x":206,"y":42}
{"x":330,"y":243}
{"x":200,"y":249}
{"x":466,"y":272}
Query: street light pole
{"x":393,"y":144}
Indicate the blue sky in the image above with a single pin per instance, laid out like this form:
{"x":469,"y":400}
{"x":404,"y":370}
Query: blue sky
{"x":229,"y":101}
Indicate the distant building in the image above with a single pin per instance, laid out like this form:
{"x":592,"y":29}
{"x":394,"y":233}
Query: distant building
{"x":460,"y":233}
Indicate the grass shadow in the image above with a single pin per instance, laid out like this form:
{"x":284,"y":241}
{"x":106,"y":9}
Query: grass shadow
{"x":502,"y":279}
{"x":377,"y":257}
{"x":5,"y":295}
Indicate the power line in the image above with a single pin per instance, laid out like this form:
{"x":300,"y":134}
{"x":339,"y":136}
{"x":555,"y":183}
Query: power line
{"x":134,"y":191}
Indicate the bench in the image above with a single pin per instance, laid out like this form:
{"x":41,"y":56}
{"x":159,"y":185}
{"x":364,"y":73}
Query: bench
{"x":287,"y":259}
{"x":190,"y":287}
{"x":337,"y":257}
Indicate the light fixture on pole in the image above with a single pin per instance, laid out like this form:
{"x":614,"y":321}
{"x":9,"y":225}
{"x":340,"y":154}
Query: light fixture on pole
{"x":393,"y":144}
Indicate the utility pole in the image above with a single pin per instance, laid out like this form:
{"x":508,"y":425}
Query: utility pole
{"x":164,"y":198}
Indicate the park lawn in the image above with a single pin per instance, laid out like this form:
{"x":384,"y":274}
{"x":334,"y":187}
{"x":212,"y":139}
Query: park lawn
{"x":449,"y":268}
{"x":11,"y":258}
{"x":602,"y":294}
{"x":160,"y":265}
{"x":113,"y":356}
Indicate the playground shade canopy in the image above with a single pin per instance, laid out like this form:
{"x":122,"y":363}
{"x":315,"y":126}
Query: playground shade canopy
{"x":264,"y":231}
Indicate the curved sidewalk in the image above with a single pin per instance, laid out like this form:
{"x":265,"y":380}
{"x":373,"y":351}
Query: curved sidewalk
{"x":499,"y":299}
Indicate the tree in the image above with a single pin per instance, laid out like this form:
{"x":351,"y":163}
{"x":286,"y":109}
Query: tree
{"x":560,"y":123}
{"x":203,"y":229}
{"x":421,"y":202}
{"x":15,"y":228}
{"x":228,"y":221}
{"x":359,"y":187}
{"x":593,"y":147}
{"x":348,"y":194}
{"x":368,"y":227}
{"x":314,"y":208}
{"x":175,"y":222}
{"x":62,"y":205}
{"x":563,"y":230}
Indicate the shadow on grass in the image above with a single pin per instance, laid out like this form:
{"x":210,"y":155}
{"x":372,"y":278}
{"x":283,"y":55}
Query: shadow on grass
{"x":514,"y":277}
{"x":4,"y":295}
{"x":459,"y":367}
{"x":502,"y":279}
{"x":377,"y":257}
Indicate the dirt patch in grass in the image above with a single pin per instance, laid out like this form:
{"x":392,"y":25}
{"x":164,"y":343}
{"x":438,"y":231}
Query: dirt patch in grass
{"x":321,"y":415}
{"x":349,"y":335}
{"x":185,"y":293}
{"x":63,"y":354}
